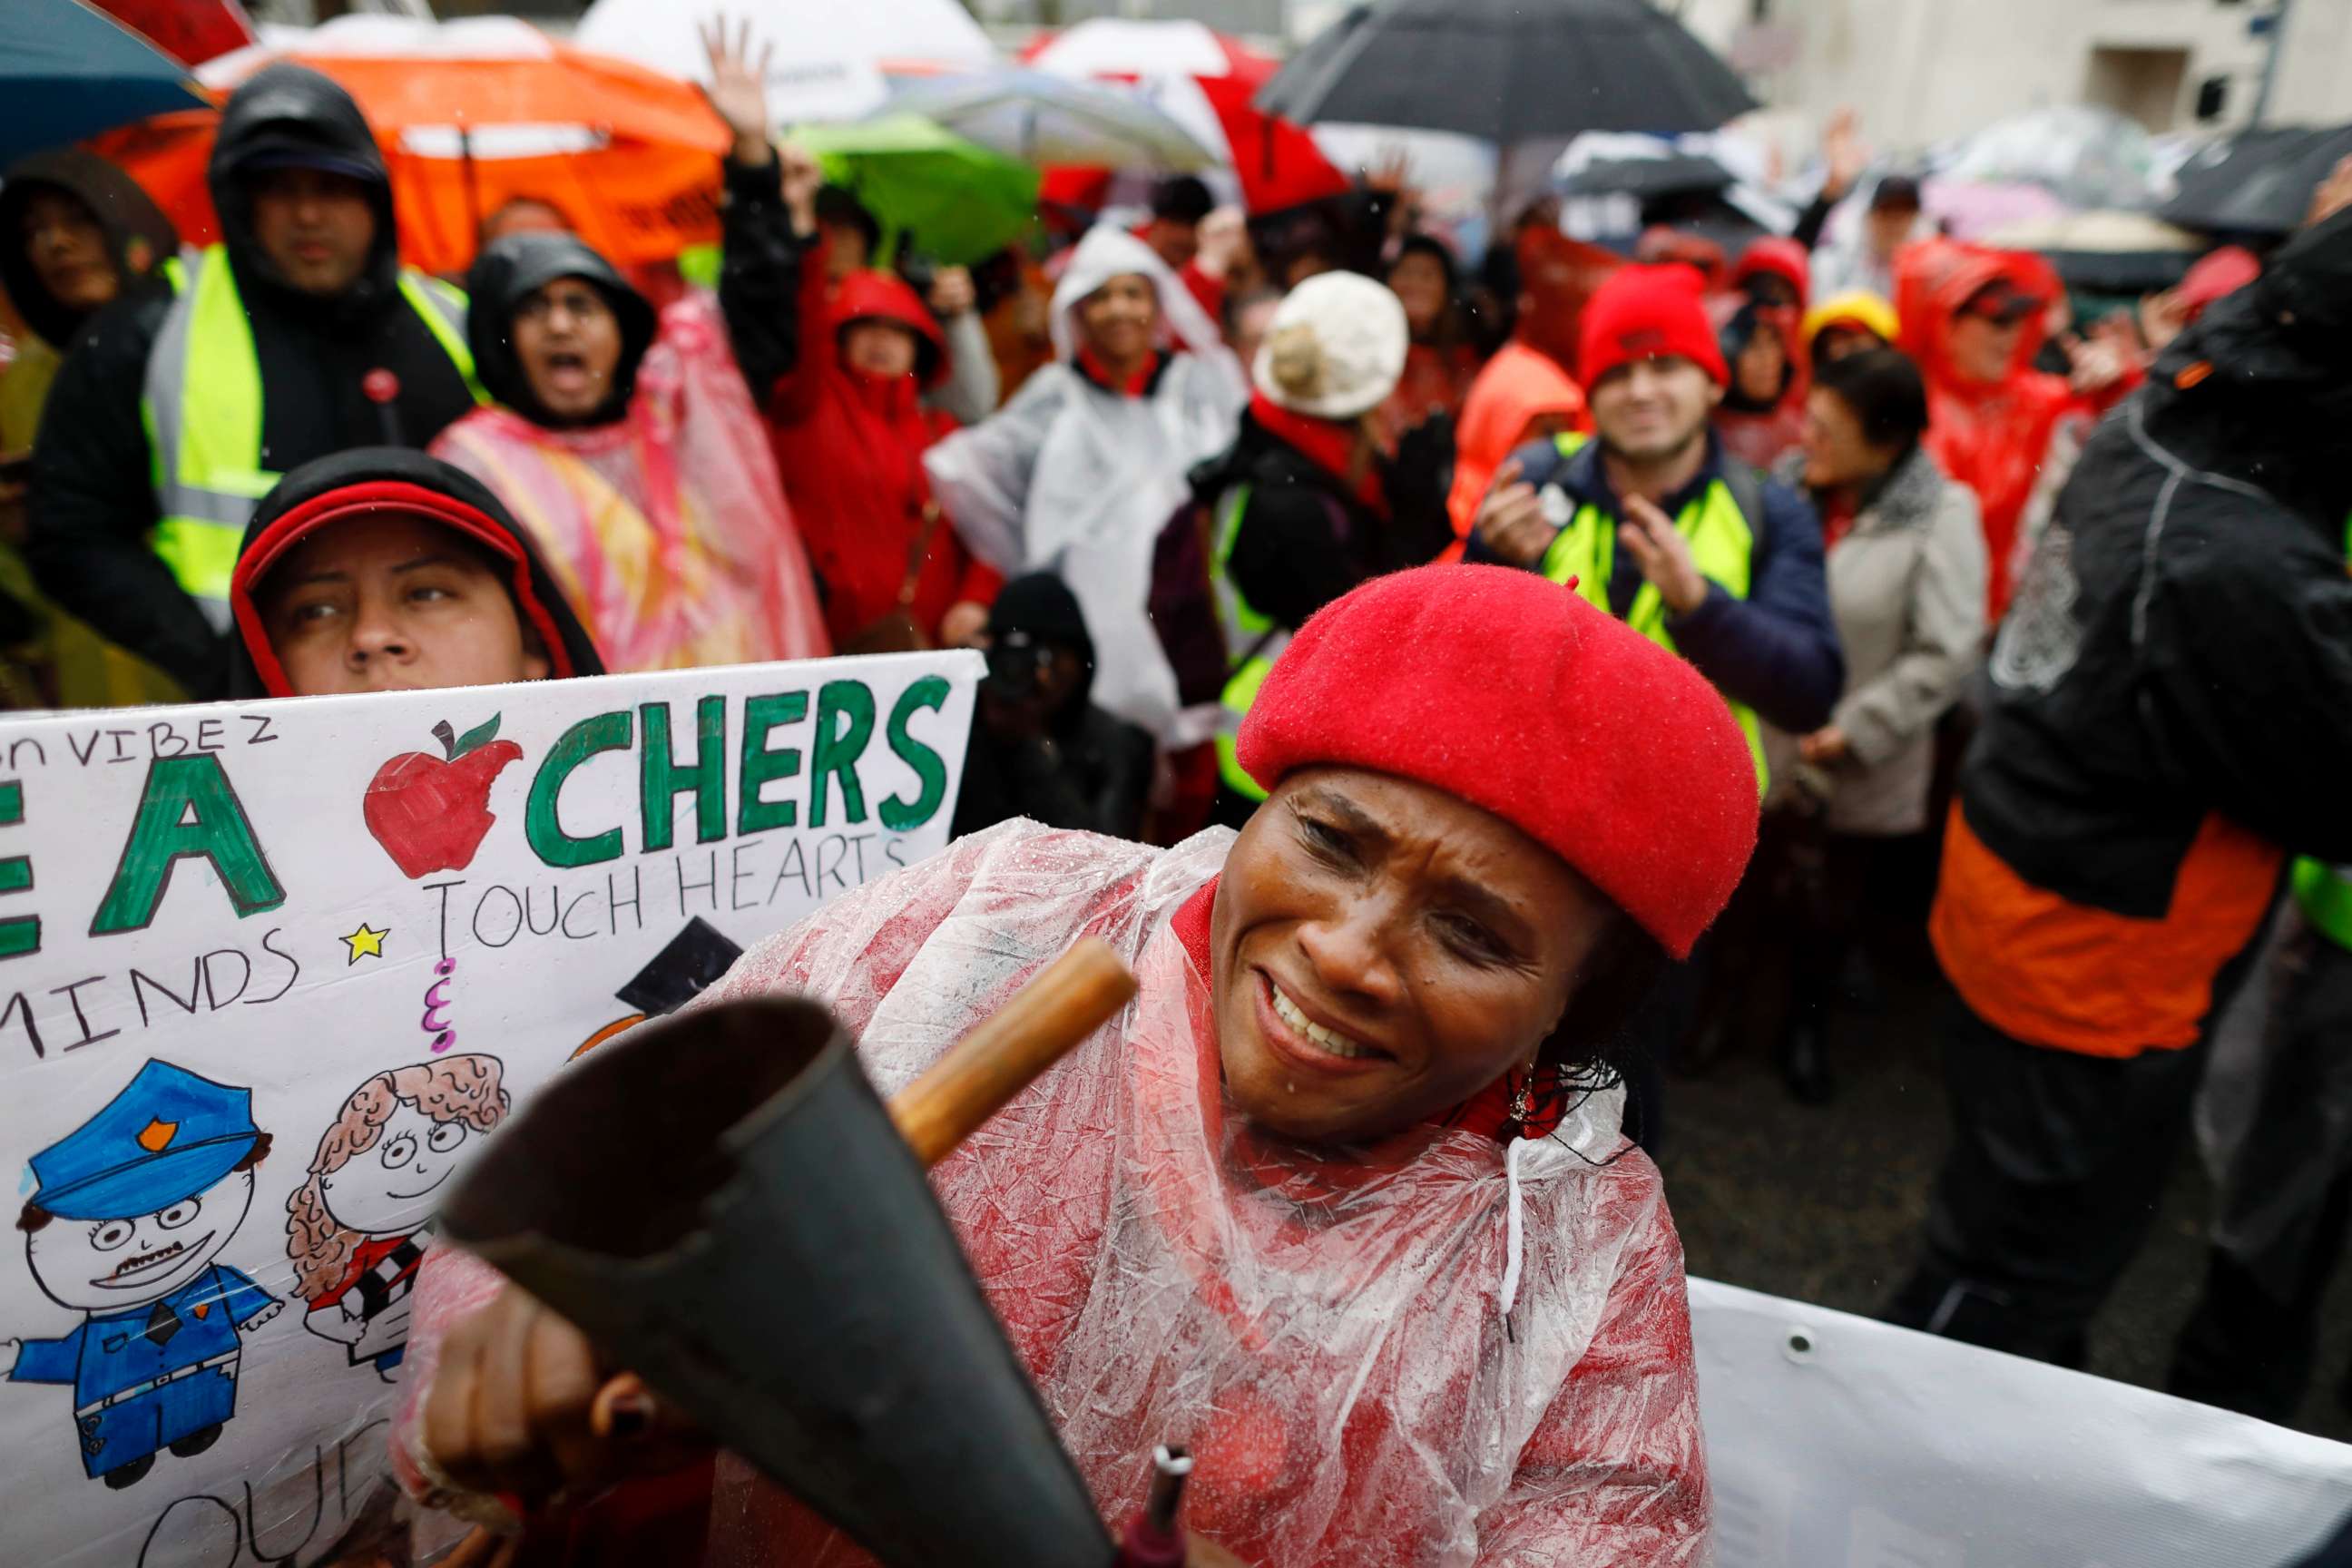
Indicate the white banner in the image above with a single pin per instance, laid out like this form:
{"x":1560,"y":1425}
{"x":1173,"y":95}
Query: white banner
{"x":270,"y":971}
{"x":1837,"y":1442}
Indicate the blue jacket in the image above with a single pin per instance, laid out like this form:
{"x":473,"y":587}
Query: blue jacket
{"x":1777,"y":650}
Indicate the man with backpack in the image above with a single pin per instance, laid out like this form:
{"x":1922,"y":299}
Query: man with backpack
{"x":1656,"y":524}
{"x":1304,"y":506}
{"x":1650,"y":520}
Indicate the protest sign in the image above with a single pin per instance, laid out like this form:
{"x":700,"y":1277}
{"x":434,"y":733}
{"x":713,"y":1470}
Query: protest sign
{"x":270,"y":973}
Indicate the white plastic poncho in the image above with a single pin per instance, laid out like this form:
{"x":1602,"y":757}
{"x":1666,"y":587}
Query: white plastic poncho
{"x":1072,"y":478}
{"x":1324,"y":1329}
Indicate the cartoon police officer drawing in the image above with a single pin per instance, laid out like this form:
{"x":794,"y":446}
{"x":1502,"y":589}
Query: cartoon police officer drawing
{"x":133,"y":1207}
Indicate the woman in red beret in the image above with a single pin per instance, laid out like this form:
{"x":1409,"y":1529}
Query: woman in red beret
{"x":1341,"y":1200}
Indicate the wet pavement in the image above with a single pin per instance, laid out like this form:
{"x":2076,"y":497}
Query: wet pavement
{"x":1825,"y":1204}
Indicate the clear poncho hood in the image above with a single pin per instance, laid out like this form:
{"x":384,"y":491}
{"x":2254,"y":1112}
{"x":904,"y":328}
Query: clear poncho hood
{"x":1072,"y":478}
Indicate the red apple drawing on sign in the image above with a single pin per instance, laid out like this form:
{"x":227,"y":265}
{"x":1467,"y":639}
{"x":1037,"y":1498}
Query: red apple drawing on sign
{"x":431,"y":812}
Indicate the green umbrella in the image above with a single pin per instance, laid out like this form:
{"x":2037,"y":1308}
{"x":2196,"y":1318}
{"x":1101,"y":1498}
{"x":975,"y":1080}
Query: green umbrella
{"x":957,"y":201}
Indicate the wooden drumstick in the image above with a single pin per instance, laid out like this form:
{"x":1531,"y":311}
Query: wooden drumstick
{"x":1043,"y":1021}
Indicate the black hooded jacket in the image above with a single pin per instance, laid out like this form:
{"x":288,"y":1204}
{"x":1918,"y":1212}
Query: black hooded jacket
{"x":759,"y":289}
{"x":1079,"y":767}
{"x":2180,"y":647}
{"x":464,"y":504}
{"x":1306,"y":538}
{"x":93,"y":501}
{"x":138,"y":235}
{"x":506,"y":274}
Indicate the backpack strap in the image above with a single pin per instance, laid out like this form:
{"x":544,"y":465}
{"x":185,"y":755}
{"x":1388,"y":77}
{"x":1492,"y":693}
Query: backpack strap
{"x":1747,"y":487}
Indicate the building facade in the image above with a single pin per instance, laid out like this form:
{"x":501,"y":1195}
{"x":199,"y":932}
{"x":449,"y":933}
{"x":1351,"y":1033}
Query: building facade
{"x":1922,"y":70}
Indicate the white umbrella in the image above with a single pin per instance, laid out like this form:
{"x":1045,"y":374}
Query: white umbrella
{"x":1044,"y":119}
{"x":1119,"y":45}
{"x":830,"y":57}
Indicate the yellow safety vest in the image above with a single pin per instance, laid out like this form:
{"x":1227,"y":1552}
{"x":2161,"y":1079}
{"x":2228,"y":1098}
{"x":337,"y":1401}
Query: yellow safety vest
{"x":1723,"y":546}
{"x":2325,"y":892}
{"x":202,"y":407}
{"x":1252,"y":642}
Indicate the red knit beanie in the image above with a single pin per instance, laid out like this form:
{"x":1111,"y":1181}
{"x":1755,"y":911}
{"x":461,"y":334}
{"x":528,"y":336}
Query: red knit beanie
{"x":1648,"y":313}
{"x":1513,"y":693}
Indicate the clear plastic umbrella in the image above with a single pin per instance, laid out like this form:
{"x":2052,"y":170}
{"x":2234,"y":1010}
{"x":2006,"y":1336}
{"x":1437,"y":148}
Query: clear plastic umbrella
{"x":2088,"y":158}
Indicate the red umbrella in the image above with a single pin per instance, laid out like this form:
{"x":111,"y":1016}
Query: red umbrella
{"x":190,"y":31}
{"x":471,"y":115}
{"x":1277,"y":162}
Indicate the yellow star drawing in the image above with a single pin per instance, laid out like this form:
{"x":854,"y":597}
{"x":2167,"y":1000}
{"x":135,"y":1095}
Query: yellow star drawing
{"x":365,"y":943}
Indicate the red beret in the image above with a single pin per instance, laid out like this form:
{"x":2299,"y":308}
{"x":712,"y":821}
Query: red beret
{"x":1511,"y":692}
{"x":1648,"y":313}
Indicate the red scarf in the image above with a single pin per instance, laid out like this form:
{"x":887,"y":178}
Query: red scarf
{"x":1135,"y":385}
{"x":1838,"y":514}
{"x":1328,"y":443}
{"x":1487,"y":1112}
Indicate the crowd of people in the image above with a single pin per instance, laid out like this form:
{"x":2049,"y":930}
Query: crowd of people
{"x":2067,"y":608}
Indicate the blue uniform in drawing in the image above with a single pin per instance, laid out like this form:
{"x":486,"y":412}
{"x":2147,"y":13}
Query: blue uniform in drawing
{"x":154,"y":1376}
{"x":132,"y":1211}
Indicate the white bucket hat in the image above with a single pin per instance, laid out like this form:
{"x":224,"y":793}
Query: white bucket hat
{"x":1335,"y":349}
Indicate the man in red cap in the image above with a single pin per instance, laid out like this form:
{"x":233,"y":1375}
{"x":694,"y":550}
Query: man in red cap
{"x":1652,"y":520}
{"x":1655,"y":523}
{"x":1528,"y":391}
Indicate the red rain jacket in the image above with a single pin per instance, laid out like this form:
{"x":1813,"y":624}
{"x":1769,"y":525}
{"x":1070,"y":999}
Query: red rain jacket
{"x":851,"y":448}
{"x":1991,"y":436}
{"x":1761,"y":438}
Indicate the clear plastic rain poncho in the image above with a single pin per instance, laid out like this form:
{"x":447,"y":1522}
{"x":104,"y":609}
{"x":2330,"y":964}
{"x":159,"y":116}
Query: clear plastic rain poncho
{"x":666,"y":529}
{"x":1072,"y":479}
{"x":1425,"y":1352}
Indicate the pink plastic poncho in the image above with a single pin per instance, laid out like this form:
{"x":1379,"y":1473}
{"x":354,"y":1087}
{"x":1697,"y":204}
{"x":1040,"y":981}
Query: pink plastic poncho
{"x":667,"y":529}
{"x":1325,"y":1330}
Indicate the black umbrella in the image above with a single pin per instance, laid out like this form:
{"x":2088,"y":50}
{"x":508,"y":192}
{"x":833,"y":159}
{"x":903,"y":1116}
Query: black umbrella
{"x":1509,"y":70}
{"x":1672,"y":173}
{"x":2257,"y":181}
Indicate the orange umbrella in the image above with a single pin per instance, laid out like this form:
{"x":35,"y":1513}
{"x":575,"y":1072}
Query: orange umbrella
{"x":472,"y":115}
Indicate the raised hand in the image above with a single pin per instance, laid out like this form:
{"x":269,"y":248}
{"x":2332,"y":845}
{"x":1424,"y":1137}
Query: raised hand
{"x":738,"y":89}
{"x":804,"y":176}
{"x":952,"y":293}
{"x":1844,"y":152}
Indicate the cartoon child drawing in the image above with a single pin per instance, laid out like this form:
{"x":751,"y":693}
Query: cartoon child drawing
{"x":360,"y":1225}
{"x":132,"y":1209}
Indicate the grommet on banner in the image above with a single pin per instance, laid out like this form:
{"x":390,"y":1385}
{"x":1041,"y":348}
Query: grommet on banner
{"x":1801,"y":1343}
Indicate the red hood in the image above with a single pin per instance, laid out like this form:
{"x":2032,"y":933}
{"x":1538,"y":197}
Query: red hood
{"x":1783,"y":258}
{"x":1934,"y":278}
{"x":871,"y":296}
